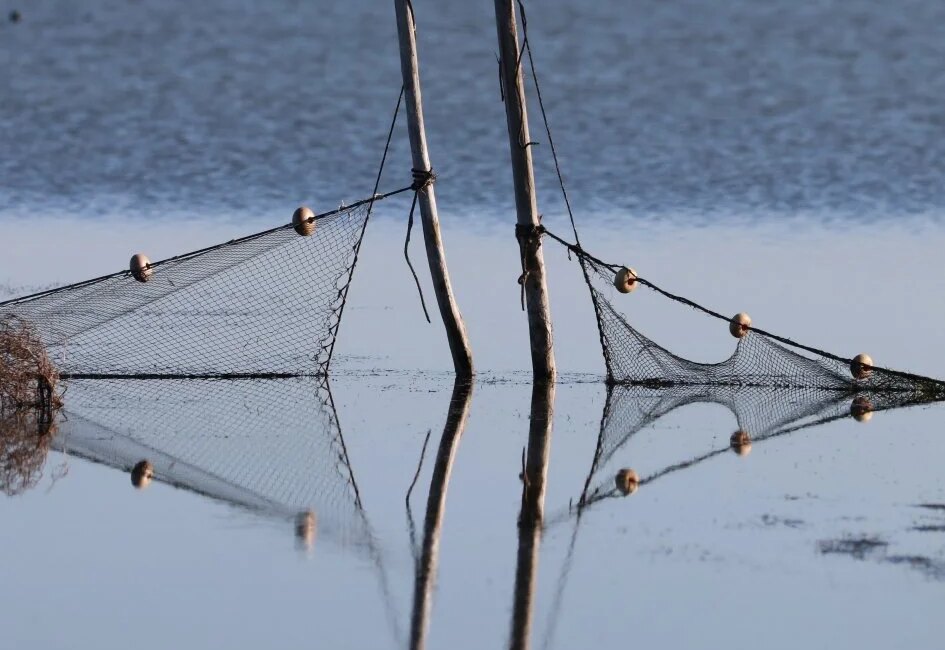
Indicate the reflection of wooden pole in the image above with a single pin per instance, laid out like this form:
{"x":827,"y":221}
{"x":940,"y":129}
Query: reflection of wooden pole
{"x":436,"y":505}
{"x":516,"y":114}
{"x":534,"y":481}
{"x":436,"y":256}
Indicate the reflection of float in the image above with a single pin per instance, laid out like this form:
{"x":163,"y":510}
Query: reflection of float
{"x":761,"y":413}
{"x":269,"y":446}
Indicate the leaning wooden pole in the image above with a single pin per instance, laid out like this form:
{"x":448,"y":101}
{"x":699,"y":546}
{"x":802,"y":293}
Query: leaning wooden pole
{"x":449,"y":311}
{"x":526,"y":230}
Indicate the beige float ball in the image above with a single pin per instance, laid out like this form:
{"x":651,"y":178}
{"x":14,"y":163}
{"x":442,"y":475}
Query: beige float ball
{"x":626,"y":280}
{"x":861,"y":409}
{"x":303,"y":220}
{"x":739,"y":325}
{"x":306,"y":529}
{"x":140,"y":267}
{"x":740,"y":443}
{"x":862,"y":366}
{"x":142,"y":474}
{"x":627,"y":481}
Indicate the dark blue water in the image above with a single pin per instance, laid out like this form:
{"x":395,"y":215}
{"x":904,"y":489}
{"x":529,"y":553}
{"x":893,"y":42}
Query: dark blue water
{"x":693,"y":110}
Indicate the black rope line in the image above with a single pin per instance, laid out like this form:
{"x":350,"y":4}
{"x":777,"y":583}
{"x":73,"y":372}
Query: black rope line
{"x":423,"y":302}
{"x":343,"y":294}
{"x":601,"y":493}
{"x":582,"y":254}
{"x":202,"y":251}
{"x":544,"y":117}
{"x":521,"y":105}
{"x":211,"y":375}
{"x":598,"y":315}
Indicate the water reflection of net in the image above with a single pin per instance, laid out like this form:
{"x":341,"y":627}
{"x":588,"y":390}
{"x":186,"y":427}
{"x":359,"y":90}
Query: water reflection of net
{"x":761,"y":412}
{"x":764,"y":413}
{"x":273,"y":446}
{"x":265,"y":304}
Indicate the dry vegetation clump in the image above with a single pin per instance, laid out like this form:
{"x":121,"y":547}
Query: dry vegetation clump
{"x":29,"y":400}
{"x":28,"y":379}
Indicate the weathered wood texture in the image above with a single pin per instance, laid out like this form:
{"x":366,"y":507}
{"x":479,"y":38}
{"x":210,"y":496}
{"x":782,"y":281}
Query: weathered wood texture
{"x":536,"y":287}
{"x":436,"y":256}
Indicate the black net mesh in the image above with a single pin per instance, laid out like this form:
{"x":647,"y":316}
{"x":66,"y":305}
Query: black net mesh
{"x":272,"y":446}
{"x":265,"y":304}
{"x":760,"y":358}
{"x":761,"y":413}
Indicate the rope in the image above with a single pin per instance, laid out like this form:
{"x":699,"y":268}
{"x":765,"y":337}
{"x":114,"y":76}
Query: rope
{"x":529,"y":237}
{"x":422,"y":178}
{"x":584,"y":255}
{"x":527,"y":48}
{"x":423,"y":302}
{"x":209,"y":249}
{"x":526,"y":45}
{"x":343,"y":293}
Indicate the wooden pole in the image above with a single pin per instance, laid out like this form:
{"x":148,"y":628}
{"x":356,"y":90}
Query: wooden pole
{"x":425,"y":576}
{"x":532,"y":514}
{"x":516,"y":113}
{"x":449,"y":311}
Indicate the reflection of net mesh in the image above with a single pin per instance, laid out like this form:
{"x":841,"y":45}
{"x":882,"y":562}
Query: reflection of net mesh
{"x":759,"y":359}
{"x":762,"y":412}
{"x":271,"y":445}
{"x":265,"y":304}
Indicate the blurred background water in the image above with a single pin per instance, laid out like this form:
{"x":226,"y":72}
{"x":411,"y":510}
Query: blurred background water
{"x":784,"y":158}
{"x":689,"y":110}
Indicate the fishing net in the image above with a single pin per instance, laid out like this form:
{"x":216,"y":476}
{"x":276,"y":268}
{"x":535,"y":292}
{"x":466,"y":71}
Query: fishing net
{"x":760,"y":358}
{"x":272,"y":446}
{"x":267,"y":304}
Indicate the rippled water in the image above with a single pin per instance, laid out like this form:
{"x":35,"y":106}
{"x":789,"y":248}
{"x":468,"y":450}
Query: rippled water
{"x":688,"y":110}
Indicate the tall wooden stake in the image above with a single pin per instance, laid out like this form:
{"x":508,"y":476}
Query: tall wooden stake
{"x":449,"y":311}
{"x":516,"y":113}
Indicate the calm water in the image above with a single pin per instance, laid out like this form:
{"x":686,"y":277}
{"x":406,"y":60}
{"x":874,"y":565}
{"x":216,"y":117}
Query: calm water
{"x":780,"y":158}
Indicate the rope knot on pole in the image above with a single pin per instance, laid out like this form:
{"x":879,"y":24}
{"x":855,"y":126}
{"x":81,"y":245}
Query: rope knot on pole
{"x":422,"y":178}
{"x":529,"y":240}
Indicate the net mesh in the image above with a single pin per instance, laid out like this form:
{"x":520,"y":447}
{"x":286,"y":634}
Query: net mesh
{"x":761,"y":412}
{"x":269,"y":303}
{"x":273,"y":446}
{"x":760,"y":358}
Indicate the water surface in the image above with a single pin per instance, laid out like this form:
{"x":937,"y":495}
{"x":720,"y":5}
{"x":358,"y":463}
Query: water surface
{"x":778,"y":158}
